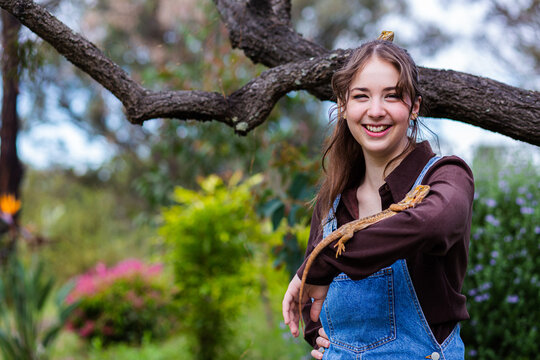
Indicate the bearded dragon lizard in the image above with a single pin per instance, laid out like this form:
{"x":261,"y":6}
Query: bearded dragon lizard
{"x":345,"y":232}
{"x":386,"y":35}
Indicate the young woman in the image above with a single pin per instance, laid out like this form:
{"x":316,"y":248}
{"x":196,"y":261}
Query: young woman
{"x":395,"y":293}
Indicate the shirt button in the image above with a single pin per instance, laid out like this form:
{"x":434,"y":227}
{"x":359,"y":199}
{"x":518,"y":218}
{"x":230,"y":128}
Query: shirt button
{"x":435,"y":356}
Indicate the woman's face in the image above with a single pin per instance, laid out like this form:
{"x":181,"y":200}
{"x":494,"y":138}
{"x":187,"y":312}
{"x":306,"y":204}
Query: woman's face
{"x":377,"y":118}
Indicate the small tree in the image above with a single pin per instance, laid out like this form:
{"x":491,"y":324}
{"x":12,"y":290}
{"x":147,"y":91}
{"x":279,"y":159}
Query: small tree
{"x":212,"y":234}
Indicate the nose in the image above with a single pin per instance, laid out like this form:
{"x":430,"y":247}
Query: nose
{"x":376,"y":108}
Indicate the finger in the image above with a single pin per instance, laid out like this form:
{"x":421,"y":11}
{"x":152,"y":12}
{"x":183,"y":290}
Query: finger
{"x":316,"y":308}
{"x":322,"y":333}
{"x":290,"y":314}
{"x":316,"y":354}
{"x":322,"y":342}
{"x":285,"y":308}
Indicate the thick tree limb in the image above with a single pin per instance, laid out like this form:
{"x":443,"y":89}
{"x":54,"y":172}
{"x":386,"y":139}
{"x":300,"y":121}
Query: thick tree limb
{"x":271,"y":43}
{"x":482,"y":102}
{"x":297,"y":64}
{"x":475,"y":100}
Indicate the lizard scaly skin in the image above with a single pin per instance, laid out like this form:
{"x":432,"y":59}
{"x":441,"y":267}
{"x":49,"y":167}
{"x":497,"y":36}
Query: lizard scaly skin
{"x":345,"y":232}
{"x":386,"y":35}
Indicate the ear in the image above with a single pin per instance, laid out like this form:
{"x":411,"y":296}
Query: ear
{"x":416,"y":105}
{"x":341,"y":108}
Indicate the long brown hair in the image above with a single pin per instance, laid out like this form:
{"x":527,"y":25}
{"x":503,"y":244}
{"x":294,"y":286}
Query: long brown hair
{"x":345,"y":166}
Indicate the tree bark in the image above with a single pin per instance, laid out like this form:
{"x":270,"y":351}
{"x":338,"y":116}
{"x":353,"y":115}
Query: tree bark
{"x":10,"y":167}
{"x":11,"y":170}
{"x":262,"y":30}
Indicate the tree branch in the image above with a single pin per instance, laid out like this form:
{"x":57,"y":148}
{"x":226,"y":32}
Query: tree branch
{"x":271,"y":43}
{"x":482,"y":102}
{"x":475,"y":100}
{"x":297,"y":64}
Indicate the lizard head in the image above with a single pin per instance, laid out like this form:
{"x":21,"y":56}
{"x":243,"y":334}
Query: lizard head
{"x":386,"y":35}
{"x":412,"y":198}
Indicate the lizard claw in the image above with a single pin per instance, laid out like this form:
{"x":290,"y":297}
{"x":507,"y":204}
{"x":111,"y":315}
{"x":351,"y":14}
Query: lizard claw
{"x":340,"y":248}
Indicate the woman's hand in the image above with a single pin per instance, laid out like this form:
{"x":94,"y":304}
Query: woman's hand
{"x":322,"y":344}
{"x":290,"y":303}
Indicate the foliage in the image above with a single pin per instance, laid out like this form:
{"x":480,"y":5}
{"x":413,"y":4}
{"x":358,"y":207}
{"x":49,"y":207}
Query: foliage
{"x":121,"y":304}
{"x":213,"y":235}
{"x":83,"y":219}
{"x":503,"y":280}
{"x":287,"y":198}
{"x":25,"y":334}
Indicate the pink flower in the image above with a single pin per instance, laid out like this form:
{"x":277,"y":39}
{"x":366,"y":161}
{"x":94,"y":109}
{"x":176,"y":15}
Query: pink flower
{"x":87,"y":328}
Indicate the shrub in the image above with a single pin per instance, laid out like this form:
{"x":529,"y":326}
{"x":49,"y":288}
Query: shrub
{"x":213,"y":235}
{"x":121,"y":304}
{"x":26,"y":333}
{"x":503,"y":281}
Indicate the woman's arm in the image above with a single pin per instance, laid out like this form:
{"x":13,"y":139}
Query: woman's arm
{"x":433,"y":227}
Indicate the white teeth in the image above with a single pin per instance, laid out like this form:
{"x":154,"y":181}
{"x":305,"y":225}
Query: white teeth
{"x":377,"y":128}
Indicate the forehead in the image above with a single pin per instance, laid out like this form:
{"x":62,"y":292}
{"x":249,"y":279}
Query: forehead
{"x":375,"y":72}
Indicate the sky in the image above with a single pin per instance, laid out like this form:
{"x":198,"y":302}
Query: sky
{"x":63,"y":143}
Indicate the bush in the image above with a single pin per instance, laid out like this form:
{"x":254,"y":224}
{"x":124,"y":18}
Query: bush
{"x":503,"y":281}
{"x":213,"y":235}
{"x":25,"y":332}
{"x":121,"y":304}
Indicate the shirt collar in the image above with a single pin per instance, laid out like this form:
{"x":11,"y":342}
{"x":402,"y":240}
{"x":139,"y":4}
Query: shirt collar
{"x":397,"y":183}
{"x":402,"y":178}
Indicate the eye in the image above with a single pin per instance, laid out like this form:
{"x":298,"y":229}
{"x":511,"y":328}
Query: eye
{"x":359,"y":96}
{"x":393,"y":96}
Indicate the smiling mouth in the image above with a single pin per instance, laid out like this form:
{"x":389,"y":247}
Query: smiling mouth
{"x":376,"y":128}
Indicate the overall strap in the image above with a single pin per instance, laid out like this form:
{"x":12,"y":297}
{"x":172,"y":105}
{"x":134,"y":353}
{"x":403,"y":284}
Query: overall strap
{"x":429,"y":164}
{"x":330,"y":223}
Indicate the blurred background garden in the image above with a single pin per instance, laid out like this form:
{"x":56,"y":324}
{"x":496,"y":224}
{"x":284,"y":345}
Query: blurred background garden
{"x":177,"y":239}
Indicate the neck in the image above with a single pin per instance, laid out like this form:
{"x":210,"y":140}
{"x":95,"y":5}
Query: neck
{"x":377,"y":168}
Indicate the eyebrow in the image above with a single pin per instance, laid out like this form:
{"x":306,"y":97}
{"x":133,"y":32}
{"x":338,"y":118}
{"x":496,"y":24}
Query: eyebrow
{"x":390,"y":88}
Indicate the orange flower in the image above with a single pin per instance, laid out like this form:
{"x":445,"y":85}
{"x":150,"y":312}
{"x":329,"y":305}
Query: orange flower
{"x":9,"y":204}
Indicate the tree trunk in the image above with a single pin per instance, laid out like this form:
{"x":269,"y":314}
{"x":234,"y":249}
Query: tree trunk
{"x":11,"y":170}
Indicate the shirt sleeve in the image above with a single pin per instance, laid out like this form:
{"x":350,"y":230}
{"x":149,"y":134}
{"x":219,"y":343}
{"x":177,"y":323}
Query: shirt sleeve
{"x":433,"y":227}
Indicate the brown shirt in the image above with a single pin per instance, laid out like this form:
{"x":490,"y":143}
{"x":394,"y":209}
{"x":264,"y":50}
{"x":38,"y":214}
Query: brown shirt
{"x":433,"y":238}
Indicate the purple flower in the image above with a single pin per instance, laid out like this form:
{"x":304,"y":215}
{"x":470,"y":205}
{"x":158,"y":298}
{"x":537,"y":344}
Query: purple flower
{"x":481,"y":298}
{"x":472,"y":292}
{"x":520,"y":201}
{"x":494,"y":254}
{"x":492,"y":220}
{"x":478,"y":268}
{"x":512,"y":299}
{"x":491,"y":202}
{"x":473,"y":352}
{"x":485,"y":286}
{"x":503,"y":185}
{"x":537,"y":229}
{"x":522,"y":189}
{"x":492,"y":262}
{"x":526,"y":210}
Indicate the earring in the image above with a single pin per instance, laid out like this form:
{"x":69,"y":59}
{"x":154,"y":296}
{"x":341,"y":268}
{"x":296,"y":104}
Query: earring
{"x":414,"y":116}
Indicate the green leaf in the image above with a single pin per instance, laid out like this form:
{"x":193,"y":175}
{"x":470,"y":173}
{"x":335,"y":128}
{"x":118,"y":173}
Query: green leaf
{"x":299,"y":186}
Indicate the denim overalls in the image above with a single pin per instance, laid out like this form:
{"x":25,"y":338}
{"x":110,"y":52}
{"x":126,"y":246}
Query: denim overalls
{"x":380,"y":317}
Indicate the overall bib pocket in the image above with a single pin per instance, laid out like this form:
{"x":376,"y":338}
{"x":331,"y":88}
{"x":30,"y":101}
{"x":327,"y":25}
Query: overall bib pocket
{"x":362,"y":311}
